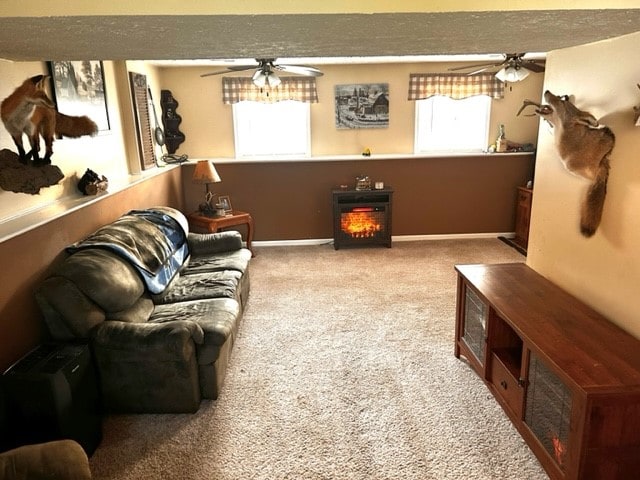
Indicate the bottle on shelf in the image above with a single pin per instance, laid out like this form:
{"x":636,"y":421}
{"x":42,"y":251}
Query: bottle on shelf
{"x":501,"y":141}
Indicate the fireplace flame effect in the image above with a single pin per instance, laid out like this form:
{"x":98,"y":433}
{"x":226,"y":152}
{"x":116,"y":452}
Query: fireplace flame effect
{"x":360,"y":223}
{"x":559,"y":449}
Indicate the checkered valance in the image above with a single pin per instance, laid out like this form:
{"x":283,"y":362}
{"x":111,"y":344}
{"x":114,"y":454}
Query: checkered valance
{"x":237,"y":89}
{"x":453,"y":85}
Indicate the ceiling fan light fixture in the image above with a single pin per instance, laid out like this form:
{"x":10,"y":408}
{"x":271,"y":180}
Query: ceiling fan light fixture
{"x":273,"y":80}
{"x":259,"y":79}
{"x":512,"y":74}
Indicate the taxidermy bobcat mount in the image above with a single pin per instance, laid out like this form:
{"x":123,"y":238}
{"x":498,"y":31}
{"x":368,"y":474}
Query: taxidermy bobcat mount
{"x":29,"y":110}
{"x":584,"y":147}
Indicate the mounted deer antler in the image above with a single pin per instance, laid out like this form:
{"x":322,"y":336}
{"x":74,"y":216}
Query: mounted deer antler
{"x":584,"y":147}
{"x":542,"y":109}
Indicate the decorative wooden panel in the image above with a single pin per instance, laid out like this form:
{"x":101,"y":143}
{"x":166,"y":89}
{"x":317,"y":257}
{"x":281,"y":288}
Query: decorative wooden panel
{"x":139,"y":92}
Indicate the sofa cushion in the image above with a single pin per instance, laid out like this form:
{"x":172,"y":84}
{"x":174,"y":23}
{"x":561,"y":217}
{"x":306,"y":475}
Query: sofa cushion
{"x":208,"y":243}
{"x":200,"y":286}
{"x":231,"y":260}
{"x":153,"y":242}
{"x":218,"y":318}
{"x":68,"y":313}
{"x":104,"y":277}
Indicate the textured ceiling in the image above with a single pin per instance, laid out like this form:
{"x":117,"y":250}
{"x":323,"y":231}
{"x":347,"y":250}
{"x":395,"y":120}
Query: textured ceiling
{"x":166,"y":37}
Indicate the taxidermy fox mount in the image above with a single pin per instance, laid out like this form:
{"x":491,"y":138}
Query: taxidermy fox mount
{"x":584,"y":147}
{"x":29,"y":110}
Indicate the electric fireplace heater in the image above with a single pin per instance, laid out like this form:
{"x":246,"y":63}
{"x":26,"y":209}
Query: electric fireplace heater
{"x":362,"y":218}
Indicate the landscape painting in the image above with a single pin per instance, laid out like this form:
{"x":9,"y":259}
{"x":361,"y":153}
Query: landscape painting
{"x":362,"y":105}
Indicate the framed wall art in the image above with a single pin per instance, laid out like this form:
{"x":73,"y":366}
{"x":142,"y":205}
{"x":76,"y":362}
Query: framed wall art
{"x":78,"y":89}
{"x":362,"y":105}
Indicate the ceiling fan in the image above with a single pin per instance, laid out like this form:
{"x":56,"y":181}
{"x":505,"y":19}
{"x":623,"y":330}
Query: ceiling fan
{"x":514,"y":67}
{"x":265,"y":71}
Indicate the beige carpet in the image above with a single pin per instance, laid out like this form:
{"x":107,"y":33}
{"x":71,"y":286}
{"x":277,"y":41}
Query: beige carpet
{"x":343,"y":369}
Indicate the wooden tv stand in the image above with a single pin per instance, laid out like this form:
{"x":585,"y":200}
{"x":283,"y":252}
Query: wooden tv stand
{"x":568,"y":378}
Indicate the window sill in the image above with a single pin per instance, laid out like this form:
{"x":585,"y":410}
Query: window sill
{"x":351,"y":158}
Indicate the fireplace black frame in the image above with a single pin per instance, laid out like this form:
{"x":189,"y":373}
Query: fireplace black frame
{"x":346,"y":200}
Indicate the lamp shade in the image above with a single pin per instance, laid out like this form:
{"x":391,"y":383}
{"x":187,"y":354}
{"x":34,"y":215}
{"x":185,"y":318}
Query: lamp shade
{"x":205,"y":172}
{"x":512,"y":74}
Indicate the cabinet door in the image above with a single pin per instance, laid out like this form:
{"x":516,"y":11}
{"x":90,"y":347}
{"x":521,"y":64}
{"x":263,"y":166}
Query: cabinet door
{"x":548,"y":410}
{"x":474,"y":326}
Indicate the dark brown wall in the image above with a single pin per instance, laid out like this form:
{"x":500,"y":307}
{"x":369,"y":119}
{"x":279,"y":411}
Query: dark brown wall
{"x":27,"y":257}
{"x":288,"y":200}
{"x":446,"y":195}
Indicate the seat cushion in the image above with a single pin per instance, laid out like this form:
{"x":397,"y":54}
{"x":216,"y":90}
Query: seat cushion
{"x":231,"y":260}
{"x":200,"y":286}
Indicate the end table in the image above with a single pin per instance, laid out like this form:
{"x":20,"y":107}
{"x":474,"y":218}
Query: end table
{"x":213,"y":224}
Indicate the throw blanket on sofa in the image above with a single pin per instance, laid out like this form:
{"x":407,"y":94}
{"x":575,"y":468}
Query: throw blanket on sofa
{"x":152,"y":241}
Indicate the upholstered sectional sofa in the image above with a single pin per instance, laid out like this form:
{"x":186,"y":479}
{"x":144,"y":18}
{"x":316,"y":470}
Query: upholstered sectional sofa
{"x":159,"y":306}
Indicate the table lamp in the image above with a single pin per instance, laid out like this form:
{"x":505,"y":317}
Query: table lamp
{"x":206,"y":173}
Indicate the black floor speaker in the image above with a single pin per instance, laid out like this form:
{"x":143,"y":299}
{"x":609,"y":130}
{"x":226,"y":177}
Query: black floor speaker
{"x":52,"y":393}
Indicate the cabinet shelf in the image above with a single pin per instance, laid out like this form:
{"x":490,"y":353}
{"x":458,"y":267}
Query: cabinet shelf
{"x":511,"y":358}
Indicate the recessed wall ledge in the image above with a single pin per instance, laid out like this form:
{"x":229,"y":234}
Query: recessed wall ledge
{"x":354,"y":157}
{"x":31,"y":219}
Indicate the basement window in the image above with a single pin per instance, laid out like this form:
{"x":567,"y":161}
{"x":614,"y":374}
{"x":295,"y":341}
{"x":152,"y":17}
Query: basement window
{"x":272,"y":129}
{"x":454,"y":125}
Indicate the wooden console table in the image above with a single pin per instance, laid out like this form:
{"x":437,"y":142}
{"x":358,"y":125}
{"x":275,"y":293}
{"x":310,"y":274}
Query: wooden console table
{"x":212,"y":224}
{"x":568,"y":378}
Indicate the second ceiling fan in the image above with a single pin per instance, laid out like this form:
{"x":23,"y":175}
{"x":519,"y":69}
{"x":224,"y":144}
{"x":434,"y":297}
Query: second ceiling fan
{"x":266,"y":71}
{"x":513,"y":68}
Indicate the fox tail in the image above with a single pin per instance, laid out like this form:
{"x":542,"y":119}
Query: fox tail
{"x":593,"y":203}
{"x":74,"y":127}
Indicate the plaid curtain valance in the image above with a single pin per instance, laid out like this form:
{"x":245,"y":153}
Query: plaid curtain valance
{"x":237,"y":89}
{"x":453,"y":85}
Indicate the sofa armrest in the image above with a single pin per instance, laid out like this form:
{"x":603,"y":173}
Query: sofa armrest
{"x":148,"y":367}
{"x":57,"y":459}
{"x":207,"y":243}
{"x":166,"y":338}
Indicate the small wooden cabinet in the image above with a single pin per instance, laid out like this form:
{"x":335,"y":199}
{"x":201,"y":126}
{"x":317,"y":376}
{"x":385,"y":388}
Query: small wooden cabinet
{"x":523,"y":216}
{"x":568,"y":379}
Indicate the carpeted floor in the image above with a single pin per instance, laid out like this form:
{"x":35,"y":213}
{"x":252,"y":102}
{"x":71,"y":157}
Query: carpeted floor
{"x":343,"y":369}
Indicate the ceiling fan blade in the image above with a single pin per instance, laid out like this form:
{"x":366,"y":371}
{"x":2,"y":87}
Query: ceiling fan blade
{"x":299,"y":70}
{"x":482,"y":66}
{"x":231,"y":69}
{"x":483,"y":69}
{"x":534,"y":67}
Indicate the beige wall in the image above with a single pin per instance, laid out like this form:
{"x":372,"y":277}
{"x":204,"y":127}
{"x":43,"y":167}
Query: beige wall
{"x":127,"y":7}
{"x":112,"y":153}
{"x":103,"y":153}
{"x":603,"y":271}
{"x":208,"y":123}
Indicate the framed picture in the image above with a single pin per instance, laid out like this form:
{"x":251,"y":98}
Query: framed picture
{"x":78,"y":89}
{"x":362,"y":105}
{"x":225,"y":202}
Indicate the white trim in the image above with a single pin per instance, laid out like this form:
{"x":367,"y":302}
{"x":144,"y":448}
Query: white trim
{"x":394,"y":238}
{"x":351,"y":158}
{"x":39,"y":215}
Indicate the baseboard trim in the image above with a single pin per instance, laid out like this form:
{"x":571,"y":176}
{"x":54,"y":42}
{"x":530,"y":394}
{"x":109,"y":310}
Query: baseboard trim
{"x":395,"y":238}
